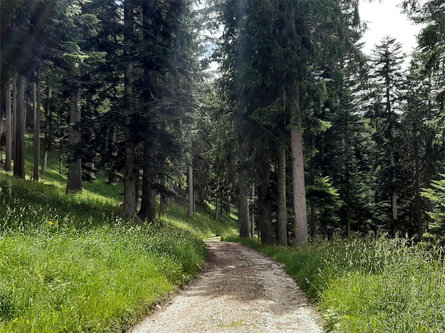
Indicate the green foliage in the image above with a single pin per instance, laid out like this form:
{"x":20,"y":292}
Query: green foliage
{"x":436,"y":194}
{"x":369,"y":285}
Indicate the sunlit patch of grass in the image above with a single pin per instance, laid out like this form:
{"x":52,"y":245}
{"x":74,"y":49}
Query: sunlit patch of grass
{"x":203,"y":224}
{"x":369,"y":285}
{"x":70,"y":263}
{"x":102,"y":280}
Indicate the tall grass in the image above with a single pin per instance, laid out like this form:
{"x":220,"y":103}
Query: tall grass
{"x":70,"y":263}
{"x":370,"y":285}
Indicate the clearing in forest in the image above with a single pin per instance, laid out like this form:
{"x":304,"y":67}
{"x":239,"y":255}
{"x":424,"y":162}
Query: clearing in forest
{"x":239,"y":290}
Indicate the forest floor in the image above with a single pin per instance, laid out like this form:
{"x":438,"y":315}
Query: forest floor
{"x":238,"y":290}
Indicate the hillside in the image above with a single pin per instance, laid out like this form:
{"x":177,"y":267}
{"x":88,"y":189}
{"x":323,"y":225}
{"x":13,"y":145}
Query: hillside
{"x":71,"y":263}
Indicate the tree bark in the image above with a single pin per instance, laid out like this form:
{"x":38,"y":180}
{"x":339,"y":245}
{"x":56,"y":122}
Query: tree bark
{"x":282,"y":214}
{"x":243,"y":207}
{"x":298,"y":186}
{"x":190,"y":191}
{"x":19,"y":162}
{"x":8,"y":148}
{"x":252,"y":218}
{"x":36,"y":116}
{"x":14,"y":116}
{"x":47,"y":143}
{"x":162,"y":204}
{"x":264,"y":204}
{"x":148,"y":203}
{"x":74,"y":182}
{"x":130,"y":189}
{"x":417,"y":216}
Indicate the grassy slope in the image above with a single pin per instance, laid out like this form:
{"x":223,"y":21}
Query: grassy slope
{"x":71,"y":264}
{"x":369,"y":285}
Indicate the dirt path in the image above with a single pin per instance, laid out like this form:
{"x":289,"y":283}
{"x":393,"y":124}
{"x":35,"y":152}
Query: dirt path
{"x":239,"y":290}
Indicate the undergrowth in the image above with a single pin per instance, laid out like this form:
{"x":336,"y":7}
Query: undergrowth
{"x":369,"y":285}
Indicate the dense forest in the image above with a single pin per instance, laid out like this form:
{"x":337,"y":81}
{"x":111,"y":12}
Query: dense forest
{"x":299,"y":130}
{"x":132,"y":129}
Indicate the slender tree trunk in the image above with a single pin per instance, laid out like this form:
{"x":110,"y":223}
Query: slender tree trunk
{"x":37,"y":109}
{"x":8,"y":148}
{"x":228,"y":206}
{"x":264,"y":203}
{"x":74,"y":182}
{"x":299,"y":198}
{"x":130,"y":192}
{"x":29,"y":111}
{"x":14,"y":116}
{"x":130,"y":188}
{"x":162,"y":204}
{"x":417,"y":189}
{"x":243,"y":207}
{"x":313,"y":220}
{"x":162,"y":199}
{"x":148,"y":198}
{"x":190,"y":191}
{"x":282,"y":216}
{"x":347,"y":166}
{"x":19,"y":162}
{"x":267,"y":230}
{"x":148,"y":203}
{"x":252,"y":218}
{"x":394,"y":207}
{"x":392,"y":163}
{"x":47,"y":142}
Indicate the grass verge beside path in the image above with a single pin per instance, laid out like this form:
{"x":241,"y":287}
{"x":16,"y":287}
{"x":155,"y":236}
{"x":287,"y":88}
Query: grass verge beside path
{"x":369,"y":285}
{"x":69,"y":263}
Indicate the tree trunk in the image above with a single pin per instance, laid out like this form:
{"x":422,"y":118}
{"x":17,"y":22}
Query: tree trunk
{"x":252,"y":218}
{"x":8,"y":148}
{"x":299,"y":191}
{"x":313,"y":220}
{"x":243,"y":207}
{"x":282,"y":216}
{"x":162,"y":199}
{"x":74,"y":182}
{"x":36,"y":116}
{"x":14,"y":116}
{"x":417,"y":189}
{"x":19,"y":162}
{"x":130,"y":198}
{"x":266,"y":229}
{"x":47,"y":140}
{"x":264,"y":204}
{"x":393,"y":193}
{"x":130,"y":189}
{"x":190,"y":191}
{"x":148,"y":203}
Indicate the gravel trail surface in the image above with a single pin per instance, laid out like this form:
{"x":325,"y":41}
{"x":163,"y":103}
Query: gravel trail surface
{"x":238,"y":290}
